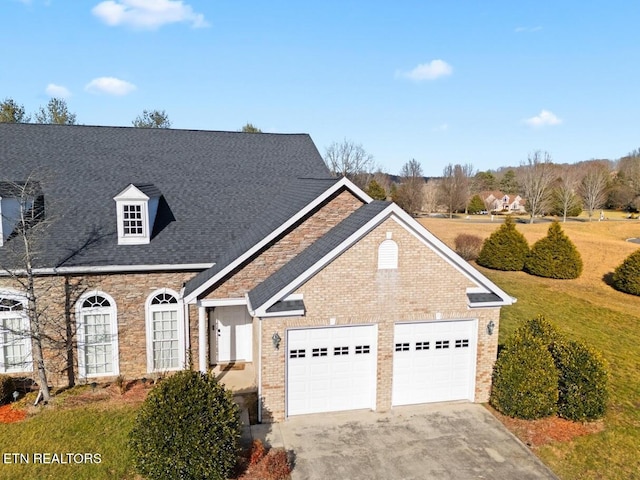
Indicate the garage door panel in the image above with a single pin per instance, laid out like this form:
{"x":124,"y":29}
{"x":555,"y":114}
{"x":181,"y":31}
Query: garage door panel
{"x":338,"y":371}
{"x":434,"y":361}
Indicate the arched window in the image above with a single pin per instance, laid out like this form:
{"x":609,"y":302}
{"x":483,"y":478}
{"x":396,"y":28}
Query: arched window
{"x":15,"y":341}
{"x":97,"y":324}
{"x":388,"y":255}
{"x":165,"y":331}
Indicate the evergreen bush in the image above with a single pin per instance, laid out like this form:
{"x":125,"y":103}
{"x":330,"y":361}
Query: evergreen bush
{"x":7,"y":387}
{"x":476,"y":205}
{"x":541,"y":329}
{"x":626,"y":277}
{"x":583,"y":384}
{"x":525,"y":379}
{"x":376,"y":191}
{"x":554,"y":256}
{"x":505,"y":249}
{"x":188,"y":427}
{"x":468,"y":246}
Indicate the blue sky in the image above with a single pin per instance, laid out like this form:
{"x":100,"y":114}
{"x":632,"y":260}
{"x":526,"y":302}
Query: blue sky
{"x":480,"y":82}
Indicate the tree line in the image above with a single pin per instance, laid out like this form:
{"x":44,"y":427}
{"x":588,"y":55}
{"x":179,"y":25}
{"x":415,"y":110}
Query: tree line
{"x":546,"y":187}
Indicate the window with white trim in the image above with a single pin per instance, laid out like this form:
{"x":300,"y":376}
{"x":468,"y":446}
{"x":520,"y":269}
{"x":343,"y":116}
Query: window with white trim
{"x":15,"y":342}
{"x":97,"y":335}
{"x":388,"y":255}
{"x":165,"y":335}
{"x":133,"y":224}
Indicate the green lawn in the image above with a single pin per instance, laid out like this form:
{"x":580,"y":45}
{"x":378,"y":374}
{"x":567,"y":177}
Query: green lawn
{"x":91,"y":429}
{"x":615,"y":452}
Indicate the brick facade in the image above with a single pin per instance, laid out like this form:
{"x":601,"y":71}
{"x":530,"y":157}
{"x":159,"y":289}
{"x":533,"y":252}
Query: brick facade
{"x":130,"y":293}
{"x":352,"y":290}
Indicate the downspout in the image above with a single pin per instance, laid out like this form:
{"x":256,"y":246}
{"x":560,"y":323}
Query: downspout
{"x":252,"y":312}
{"x":202,"y":344}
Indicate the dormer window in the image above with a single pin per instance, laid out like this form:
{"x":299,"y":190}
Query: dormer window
{"x":136,"y":208}
{"x":21,"y":207}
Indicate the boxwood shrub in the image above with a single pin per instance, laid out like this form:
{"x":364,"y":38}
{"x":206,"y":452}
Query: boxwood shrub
{"x":626,"y":277}
{"x":525,"y":379}
{"x":583,"y":384}
{"x":554,"y":256}
{"x":188,"y":427}
{"x":505,"y":249}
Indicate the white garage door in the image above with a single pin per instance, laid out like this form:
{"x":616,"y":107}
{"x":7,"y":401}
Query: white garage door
{"x":331,"y":369}
{"x":434,"y":362}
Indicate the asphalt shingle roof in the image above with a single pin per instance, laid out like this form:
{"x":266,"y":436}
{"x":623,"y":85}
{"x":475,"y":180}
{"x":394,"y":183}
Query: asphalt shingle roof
{"x":316,"y":251}
{"x":215,"y":186}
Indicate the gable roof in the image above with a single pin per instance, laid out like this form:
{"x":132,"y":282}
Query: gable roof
{"x":323,"y":251}
{"x":214,"y":187}
{"x":286,"y":209}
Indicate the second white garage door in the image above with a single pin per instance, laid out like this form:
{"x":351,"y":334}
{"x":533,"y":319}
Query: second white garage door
{"x":331,"y":369}
{"x":434,"y":362}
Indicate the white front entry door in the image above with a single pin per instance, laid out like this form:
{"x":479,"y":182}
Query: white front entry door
{"x":234,"y":334}
{"x":331,"y":369}
{"x":434,"y":362}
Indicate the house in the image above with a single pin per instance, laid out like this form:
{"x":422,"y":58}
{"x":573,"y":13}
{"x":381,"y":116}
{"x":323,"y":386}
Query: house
{"x":503,"y":202}
{"x":168,"y":248}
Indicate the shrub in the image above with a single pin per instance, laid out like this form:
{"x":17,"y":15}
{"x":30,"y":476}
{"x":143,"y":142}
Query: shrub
{"x":468,"y":246}
{"x":376,"y":191}
{"x":554,"y":256}
{"x":541,"y":329}
{"x":525,"y":379}
{"x":273,"y":466}
{"x":583,"y":384}
{"x":257,"y":452}
{"x":7,"y":387}
{"x":505,"y":249}
{"x":626,"y":277}
{"x":476,"y":205}
{"x":188,"y":427}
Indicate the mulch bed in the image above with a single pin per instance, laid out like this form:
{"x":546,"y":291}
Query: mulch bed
{"x":535,"y":433}
{"x":8,"y":414}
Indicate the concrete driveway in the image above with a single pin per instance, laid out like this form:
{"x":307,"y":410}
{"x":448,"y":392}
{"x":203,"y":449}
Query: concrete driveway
{"x":443,"y":441}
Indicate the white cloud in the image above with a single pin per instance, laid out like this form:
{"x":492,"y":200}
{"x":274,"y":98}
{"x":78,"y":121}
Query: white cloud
{"x":110,"y":86}
{"x":544,"y":118}
{"x":54,"y":90}
{"x":428,"y":71}
{"x":147,"y":14}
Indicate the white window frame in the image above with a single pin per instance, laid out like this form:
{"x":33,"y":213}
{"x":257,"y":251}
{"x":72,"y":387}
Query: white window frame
{"x":149,"y":311}
{"x":27,"y":365}
{"x":80,"y":329}
{"x":132,"y":196}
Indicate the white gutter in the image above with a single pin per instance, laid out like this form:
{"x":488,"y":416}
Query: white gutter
{"x":114,"y":269}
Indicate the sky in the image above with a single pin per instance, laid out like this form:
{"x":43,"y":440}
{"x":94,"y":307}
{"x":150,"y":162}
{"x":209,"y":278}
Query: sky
{"x":484,"y":83}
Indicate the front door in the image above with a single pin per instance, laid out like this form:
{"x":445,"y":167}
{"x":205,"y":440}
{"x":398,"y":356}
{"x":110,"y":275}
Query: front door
{"x":234,"y":335}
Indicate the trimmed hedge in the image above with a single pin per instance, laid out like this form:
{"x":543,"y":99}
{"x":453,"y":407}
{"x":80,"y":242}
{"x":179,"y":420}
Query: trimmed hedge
{"x":505,"y":249}
{"x":626,"y":277}
{"x":554,"y":256}
{"x":188,"y":427}
{"x":7,"y":387}
{"x":583,"y":384}
{"x":525,"y":379}
{"x":581,"y":378}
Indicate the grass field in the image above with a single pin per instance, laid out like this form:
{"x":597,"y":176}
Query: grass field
{"x":586,"y":309}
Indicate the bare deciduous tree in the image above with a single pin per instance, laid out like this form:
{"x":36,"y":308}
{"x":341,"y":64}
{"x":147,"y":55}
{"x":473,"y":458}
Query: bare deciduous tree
{"x":454,"y":187}
{"x":565,"y":191}
{"x":409,"y":194}
{"x":593,"y":188}
{"x":536,"y":177}
{"x":351,"y":160}
{"x":430,"y":195}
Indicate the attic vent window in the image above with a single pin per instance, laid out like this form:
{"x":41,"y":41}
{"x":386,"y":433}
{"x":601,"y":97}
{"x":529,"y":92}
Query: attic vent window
{"x":388,"y":255}
{"x":136,"y":208}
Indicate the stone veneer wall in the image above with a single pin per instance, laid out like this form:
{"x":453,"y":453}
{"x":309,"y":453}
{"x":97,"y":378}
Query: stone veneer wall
{"x":291,"y":244}
{"x":353,"y":291}
{"x":130,"y":292}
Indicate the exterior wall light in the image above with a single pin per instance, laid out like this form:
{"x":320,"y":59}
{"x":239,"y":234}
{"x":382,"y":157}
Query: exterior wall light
{"x":490,"y":327}
{"x":275,"y":338}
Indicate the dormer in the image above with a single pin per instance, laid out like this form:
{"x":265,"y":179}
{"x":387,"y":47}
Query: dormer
{"x":136,"y":208}
{"x":18,"y":200}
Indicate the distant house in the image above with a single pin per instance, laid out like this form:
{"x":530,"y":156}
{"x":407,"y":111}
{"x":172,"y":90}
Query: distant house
{"x":209,"y":248}
{"x":503,"y":202}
